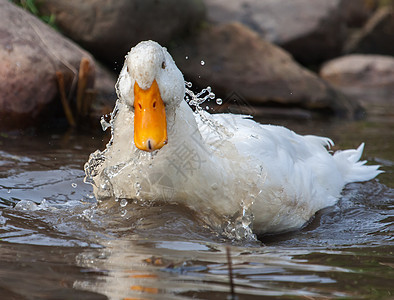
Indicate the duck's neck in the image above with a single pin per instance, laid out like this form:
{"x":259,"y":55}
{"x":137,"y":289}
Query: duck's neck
{"x":181,"y":123}
{"x":186,"y":153}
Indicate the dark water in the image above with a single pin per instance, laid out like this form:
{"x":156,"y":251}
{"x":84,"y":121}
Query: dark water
{"x":55,"y":243}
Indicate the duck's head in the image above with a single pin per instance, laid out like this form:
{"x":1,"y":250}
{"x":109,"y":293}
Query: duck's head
{"x":150,"y":84}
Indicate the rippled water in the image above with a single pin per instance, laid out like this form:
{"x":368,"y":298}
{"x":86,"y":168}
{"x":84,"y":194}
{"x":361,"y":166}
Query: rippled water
{"x":57,"y":243}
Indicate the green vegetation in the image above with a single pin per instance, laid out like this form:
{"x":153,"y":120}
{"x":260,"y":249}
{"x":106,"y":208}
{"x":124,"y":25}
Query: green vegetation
{"x":31,"y":6}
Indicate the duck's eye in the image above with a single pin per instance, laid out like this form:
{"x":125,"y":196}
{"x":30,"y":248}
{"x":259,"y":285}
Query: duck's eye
{"x":163,"y":65}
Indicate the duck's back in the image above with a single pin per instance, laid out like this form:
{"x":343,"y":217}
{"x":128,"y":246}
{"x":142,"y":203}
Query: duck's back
{"x":299,"y":177}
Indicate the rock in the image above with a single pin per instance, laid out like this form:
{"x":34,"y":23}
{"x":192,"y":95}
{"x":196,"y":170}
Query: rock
{"x":367,"y":78}
{"x":312,"y":31}
{"x":30,"y":55}
{"x":376,"y":37}
{"x":104,"y":91}
{"x":355,"y":13}
{"x":109,"y":28}
{"x":236,"y":61}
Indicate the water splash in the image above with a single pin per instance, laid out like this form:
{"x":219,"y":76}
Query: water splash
{"x":93,"y":166}
{"x":238,"y":226}
{"x":28,"y":205}
{"x":197,"y":99}
{"x":104,"y":124}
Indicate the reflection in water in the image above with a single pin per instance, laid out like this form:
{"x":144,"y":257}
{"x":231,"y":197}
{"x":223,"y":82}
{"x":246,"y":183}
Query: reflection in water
{"x":163,"y":252}
{"x":132,"y":272}
{"x":51,"y":225}
{"x":140,"y":263}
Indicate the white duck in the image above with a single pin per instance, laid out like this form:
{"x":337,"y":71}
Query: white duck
{"x":219,"y":165}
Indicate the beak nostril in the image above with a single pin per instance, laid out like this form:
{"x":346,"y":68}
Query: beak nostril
{"x":149,"y":145}
{"x":154,"y":104}
{"x":139,"y":105}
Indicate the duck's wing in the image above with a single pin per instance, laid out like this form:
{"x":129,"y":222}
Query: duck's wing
{"x":257,"y":140}
{"x":300,"y":169}
{"x":269,"y":141}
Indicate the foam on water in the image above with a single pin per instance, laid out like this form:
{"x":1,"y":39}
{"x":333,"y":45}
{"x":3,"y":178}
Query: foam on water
{"x":27,"y":205}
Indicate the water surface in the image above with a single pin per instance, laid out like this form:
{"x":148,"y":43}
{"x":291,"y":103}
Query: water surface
{"x":57,"y":243}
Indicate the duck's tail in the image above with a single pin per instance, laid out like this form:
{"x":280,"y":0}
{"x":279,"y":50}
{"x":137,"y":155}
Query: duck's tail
{"x":354,"y":170}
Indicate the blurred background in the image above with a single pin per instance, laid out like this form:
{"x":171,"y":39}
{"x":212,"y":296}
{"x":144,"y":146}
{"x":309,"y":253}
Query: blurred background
{"x":323,"y":67}
{"x":288,"y":58}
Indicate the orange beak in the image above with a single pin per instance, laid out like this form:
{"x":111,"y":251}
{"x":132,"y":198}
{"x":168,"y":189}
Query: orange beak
{"x":150,"y":124}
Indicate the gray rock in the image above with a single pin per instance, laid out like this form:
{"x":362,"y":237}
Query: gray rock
{"x":109,"y":28}
{"x":30,"y":54}
{"x":367,"y":78}
{"x":237,"y":61}
{"x":311,"y":30}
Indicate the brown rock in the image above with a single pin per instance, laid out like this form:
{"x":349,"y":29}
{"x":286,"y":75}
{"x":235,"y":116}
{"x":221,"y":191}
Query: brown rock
{"x":30,"y":54}
{"x":311,"y":30}
{"x":105,"y":94}
{"x":368,"y":78}
{"x":376,"y":37}
{"x":355,"y":13}
{"x":236,"y":60}
{"x":109,"y":28}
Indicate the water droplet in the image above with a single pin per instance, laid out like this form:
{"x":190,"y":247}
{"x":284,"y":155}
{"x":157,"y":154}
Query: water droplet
{"x":219,"y":101}
{"x":3,"y":220}
{"x":44,"y":204}
{"x":202,"y":62}
{"x":8,"y":191}
{"x":88,"y":214}
{"x":207,"y":107}
{"x":211,"y":95}
{"x":123,"y":202}
{"x":104,"y":124}
{"x":123,"y":212}
{"x":246,"y":220}
{"x":26,"y":205}
{"x":74,"y":185}
{"x":187,"y":57}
